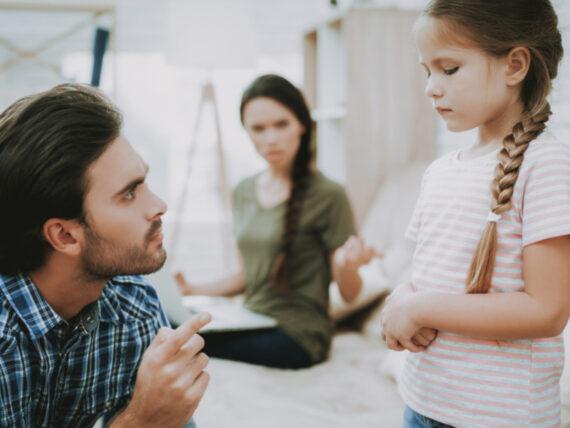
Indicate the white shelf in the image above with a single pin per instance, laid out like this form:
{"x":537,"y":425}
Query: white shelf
{"x":329,"y":113}
{"x":366,"y":92}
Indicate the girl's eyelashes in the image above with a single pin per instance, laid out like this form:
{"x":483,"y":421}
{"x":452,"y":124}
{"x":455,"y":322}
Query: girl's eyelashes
{"x":446,"y":71}
{"x":450,"y":71}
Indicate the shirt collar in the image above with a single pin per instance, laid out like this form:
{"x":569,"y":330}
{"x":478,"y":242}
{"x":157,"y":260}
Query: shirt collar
{"x":39,"y":317}
{"x":108,"y":306}
{"x":29,"y":305}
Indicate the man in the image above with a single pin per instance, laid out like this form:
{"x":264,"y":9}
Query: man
{"x":80,"y":337}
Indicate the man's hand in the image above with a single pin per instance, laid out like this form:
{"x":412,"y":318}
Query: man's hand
{"x":171,"y":379}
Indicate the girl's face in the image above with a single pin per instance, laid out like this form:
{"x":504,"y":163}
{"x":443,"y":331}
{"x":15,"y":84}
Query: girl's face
{"x":467,"y":86}
{"x":274,"y":129}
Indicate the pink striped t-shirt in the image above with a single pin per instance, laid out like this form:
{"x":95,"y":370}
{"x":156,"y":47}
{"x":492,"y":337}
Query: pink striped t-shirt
{"x":463,"y":381}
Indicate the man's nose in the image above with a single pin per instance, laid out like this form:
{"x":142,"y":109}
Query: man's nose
{"x":157,"y":208}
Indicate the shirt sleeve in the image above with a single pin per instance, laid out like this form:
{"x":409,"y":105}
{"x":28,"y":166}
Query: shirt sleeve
{"x":15,"y":410}
{"x":236,"y":205}
{"x":414,"y":225}
{"x":545,"y":185}
{"x":340,"y":224}
{"x":162,"y":318}
{"x":413,"y":228}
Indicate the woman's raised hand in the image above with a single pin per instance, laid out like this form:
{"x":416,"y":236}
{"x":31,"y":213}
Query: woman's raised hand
{"x":354,"y":253}
{"x":184,"y":287}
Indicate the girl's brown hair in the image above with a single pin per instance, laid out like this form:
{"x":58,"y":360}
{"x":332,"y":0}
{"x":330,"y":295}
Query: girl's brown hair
{"x":497,"y":27}
{"x":284,"y":92}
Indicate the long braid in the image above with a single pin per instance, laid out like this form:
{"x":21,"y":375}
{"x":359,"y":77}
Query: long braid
{"x":284,"y":92}
{"x":511,"y":158}
{"x":300,"y":176}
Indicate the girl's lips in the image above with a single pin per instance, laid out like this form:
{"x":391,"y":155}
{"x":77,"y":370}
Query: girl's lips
{"x":442,"y":110}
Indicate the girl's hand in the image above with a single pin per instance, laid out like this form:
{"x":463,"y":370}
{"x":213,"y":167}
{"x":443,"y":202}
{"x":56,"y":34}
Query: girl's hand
{"x":424,"y":336}
{"x":399,"y":329}
{"x":354,"y":253}
{"x":184,"y":287}
{"x":400,"y":291}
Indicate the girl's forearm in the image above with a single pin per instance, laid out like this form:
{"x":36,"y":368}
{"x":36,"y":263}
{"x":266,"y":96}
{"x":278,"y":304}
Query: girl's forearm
{"x":495,"y":316}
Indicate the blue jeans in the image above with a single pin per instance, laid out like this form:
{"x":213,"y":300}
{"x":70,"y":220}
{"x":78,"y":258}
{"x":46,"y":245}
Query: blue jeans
{"x":271,"y":348}
{"x":413,"y":419}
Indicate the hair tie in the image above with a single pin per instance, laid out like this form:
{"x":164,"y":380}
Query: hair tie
{"x":493,"y":218}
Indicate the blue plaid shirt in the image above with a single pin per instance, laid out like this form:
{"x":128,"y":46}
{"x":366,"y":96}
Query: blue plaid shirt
{"x":55,"y":373}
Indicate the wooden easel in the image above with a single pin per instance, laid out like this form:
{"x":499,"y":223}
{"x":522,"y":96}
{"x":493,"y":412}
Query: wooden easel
{"x":207,"y":96}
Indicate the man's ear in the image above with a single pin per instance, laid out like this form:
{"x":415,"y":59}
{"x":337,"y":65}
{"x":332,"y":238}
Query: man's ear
{"x":518,"y":64}
{"x":65,"y":236}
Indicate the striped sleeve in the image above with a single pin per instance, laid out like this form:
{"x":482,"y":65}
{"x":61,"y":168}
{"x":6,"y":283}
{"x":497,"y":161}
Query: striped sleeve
{"x":414,"y":225}
{"x":546,"y":187}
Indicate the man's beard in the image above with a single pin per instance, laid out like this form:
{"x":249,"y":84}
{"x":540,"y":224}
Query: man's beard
{"x":103,"y":259}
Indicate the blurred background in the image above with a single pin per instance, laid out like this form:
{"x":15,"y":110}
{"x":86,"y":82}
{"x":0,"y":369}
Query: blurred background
{"x":354,"y":59}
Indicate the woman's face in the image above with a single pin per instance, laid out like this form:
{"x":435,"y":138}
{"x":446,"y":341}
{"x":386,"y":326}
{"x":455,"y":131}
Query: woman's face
{"x":274,"y":129}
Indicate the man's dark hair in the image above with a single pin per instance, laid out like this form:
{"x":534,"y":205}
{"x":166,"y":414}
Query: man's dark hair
{"x":47,"y":143}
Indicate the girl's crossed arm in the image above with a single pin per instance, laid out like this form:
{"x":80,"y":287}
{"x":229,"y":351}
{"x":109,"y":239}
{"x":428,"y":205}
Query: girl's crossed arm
{"x":541,"y":310}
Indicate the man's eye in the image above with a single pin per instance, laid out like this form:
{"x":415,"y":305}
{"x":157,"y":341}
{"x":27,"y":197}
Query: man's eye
{"x":450,"y":71}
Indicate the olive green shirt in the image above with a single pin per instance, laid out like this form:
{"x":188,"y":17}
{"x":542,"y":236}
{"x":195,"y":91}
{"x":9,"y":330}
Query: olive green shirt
{"x":326,"y":222}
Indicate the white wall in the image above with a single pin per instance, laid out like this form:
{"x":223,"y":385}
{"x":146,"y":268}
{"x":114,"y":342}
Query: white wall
{"x":159,"y":99}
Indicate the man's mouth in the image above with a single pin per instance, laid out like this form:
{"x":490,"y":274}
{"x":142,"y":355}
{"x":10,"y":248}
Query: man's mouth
{"x":155,"y":232}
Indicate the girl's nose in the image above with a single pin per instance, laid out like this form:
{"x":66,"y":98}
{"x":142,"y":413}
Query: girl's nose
{"x":433,"y":88}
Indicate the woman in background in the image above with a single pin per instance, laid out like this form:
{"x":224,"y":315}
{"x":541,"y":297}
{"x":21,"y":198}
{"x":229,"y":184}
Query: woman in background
{"x":295,"y":232}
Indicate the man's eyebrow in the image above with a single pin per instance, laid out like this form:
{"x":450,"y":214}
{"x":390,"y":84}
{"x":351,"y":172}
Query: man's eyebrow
{"x":134,"y":182}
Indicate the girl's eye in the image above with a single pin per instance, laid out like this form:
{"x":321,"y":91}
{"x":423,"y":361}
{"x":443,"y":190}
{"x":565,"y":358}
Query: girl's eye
{"x":130,"y":195}
{"x":450,"y":71}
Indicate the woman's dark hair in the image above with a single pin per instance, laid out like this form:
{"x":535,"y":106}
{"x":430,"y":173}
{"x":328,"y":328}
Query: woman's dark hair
{"x":47,"y":143}
{"x":496,"y":27}
{"x":285,"y":93}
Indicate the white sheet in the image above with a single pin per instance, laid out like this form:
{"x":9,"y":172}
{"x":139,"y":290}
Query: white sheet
{"x":347,"y":391}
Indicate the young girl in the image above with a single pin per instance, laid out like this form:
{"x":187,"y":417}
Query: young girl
{"x":295,"y":232}
{"x":492,"y":224}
